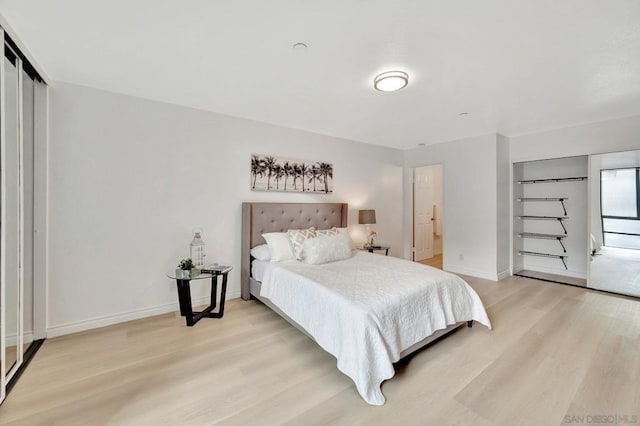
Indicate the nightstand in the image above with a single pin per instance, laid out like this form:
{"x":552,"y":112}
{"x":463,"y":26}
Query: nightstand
{"x":371,"y":249}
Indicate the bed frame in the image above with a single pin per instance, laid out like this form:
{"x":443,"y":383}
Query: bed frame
{"x":260,"y":218}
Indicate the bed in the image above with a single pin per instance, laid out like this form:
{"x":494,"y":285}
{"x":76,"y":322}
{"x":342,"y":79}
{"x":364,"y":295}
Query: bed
{"x":369,"y":311}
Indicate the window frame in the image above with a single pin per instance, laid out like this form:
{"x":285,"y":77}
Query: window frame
{"x":636,"y":217}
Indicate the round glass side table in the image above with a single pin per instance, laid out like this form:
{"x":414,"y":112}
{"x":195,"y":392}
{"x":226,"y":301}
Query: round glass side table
{"x":184,"y":293}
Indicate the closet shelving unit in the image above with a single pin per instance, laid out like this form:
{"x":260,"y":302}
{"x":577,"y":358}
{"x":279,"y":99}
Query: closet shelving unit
{"x":560,"y":200}
{"x":539,"y":236}
{"x":562,"y":257}
{"x":547,"y":191}
{"x":560,"y":219}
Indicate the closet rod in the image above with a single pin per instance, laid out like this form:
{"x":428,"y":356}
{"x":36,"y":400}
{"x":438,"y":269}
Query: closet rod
{"x":558,"y":218}
{"x":543,"y":199}
{"x":538,"y":236}
{"x":567,"y":179}
{"x":533,"y":217}
{"x":561,"y":200}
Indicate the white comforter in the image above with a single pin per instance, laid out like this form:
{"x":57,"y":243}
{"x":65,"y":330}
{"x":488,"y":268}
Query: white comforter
{"x":367,"y":309}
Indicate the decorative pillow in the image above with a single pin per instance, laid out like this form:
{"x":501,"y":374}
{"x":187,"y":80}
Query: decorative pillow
{"x":261,"y":252}
{"x":330,"y":248}
{"x":279,"y":246}
{"x":298,"y":237}
{"x":332,"y":231}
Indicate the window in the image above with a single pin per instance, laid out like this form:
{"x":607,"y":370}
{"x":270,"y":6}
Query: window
{"x":620,"y":205}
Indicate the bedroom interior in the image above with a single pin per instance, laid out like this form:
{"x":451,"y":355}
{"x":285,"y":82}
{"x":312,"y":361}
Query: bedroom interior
{"x":424,"y":217}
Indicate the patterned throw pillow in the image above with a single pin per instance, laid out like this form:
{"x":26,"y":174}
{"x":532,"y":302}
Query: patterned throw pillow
{"x":298,"y":237}
{"x":325,"y":232}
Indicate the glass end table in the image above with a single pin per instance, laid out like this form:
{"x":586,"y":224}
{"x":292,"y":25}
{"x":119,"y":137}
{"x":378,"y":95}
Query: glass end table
{"x":184,"y":292}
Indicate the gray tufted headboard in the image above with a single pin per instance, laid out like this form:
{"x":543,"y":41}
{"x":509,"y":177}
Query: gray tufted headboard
{"x":261,"y":218}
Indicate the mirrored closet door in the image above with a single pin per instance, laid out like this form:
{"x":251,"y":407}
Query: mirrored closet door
{"x":21,"y":92}
{"x":615,"y":222}
{"x":11,"y":213}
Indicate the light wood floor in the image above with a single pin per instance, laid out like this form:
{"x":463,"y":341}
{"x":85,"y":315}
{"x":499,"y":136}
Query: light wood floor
{"x":554,"y":351}
{"x":435,"y":261}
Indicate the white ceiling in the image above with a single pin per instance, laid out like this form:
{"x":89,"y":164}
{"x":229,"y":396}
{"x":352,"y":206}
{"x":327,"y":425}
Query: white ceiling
{"x":515,"y":66}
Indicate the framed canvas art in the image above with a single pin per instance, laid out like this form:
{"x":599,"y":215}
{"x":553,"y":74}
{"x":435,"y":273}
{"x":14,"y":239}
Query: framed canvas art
{"x":277,"y":174}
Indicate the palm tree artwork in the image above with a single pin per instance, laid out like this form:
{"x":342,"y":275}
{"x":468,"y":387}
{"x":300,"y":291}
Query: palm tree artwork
{"x":278,"y":174}
{"x":325,"y":170}
{"x":288,"y":171}
{"x":269,"y":163}
{"x":270,"y":173}
{"x":304,"y":172}
{"x":257,"y":169}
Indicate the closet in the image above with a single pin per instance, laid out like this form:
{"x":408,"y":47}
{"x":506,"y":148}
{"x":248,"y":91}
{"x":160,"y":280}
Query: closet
{"x":550,"y":229}
{"x":22,"y":212}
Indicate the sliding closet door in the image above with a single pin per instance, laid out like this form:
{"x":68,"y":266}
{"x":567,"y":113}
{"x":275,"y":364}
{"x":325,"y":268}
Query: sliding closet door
{"x":12,"y":228}
{"x":23,"y":115}
{"x":27,"y":208}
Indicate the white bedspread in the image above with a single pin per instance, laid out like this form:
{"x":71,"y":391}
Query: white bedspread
{"x":367,"y":309}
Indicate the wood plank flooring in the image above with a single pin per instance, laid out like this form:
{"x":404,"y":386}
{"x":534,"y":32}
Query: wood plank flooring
{"x":555,"y":351}
{"x":553,"y":277}
{"x":434,"y":262}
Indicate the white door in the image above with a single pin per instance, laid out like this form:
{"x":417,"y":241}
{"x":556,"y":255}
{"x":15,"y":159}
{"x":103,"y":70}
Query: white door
{"x":422,"y":215}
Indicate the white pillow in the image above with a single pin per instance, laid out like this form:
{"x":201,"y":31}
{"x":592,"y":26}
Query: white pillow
{"x":279,"y":246}
{"x":345,"y":231}
{"x":261,"y":252}
{"x":327,"y":249}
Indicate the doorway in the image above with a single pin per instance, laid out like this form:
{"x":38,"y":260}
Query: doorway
{"x":428,"y":215}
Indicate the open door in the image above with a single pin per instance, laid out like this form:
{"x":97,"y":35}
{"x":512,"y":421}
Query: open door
{"x":423,"y":214}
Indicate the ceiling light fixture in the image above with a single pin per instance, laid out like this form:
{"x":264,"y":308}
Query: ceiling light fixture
{"x":463,"y":113}
{"x":391,"y":81}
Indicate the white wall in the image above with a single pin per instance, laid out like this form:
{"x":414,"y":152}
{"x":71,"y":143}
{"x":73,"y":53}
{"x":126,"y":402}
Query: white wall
{"x":503,"y":206}
{"x":130,"y":178}
{"x":470,"y":202}
{"x":605,"y":136}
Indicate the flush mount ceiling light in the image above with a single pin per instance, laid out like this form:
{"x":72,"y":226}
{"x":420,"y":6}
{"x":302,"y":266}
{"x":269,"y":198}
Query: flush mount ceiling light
{"x":391,"y":81}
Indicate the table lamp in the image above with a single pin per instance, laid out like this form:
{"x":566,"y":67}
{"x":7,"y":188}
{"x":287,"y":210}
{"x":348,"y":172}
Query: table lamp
{"x":367,"y":218}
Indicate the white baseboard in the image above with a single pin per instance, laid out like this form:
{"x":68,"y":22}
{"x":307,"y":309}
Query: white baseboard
{"x":504,"y":274}
{"x":11,"y":339}
{"x":103,"y":321}
{"x":492,"y":276}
